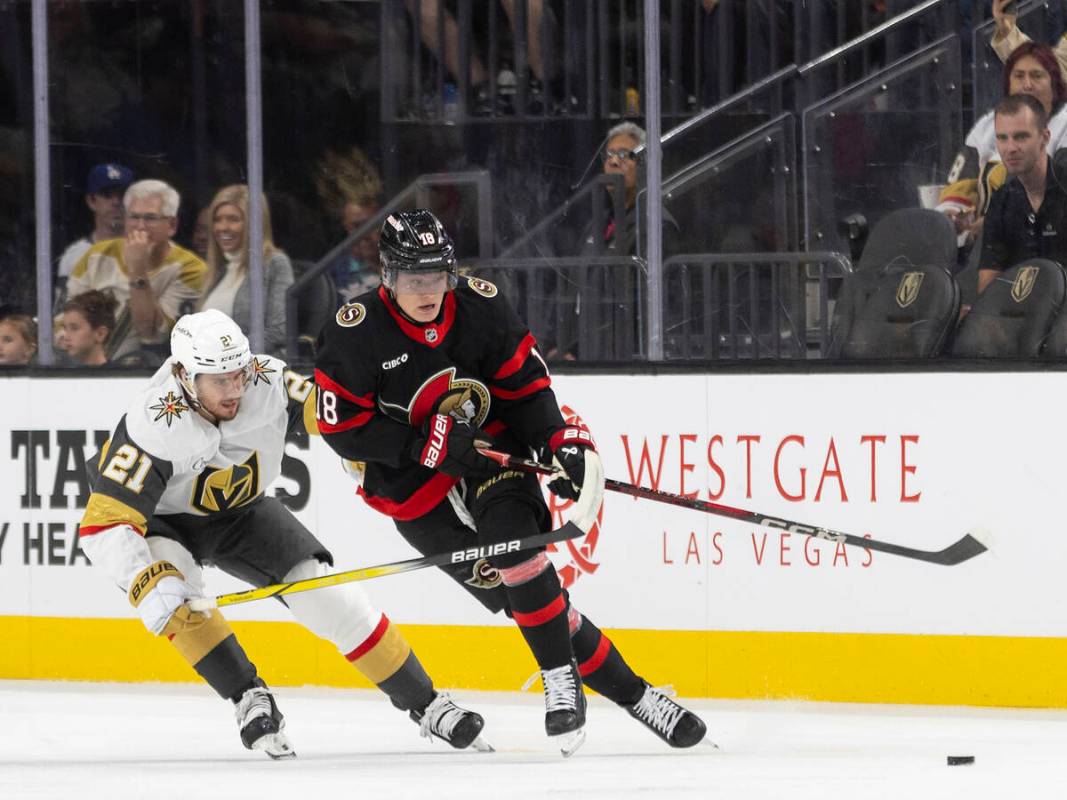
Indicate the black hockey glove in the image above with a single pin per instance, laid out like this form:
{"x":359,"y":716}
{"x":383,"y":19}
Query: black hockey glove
{"x":448,"y":445}
{"x":568,"y":445}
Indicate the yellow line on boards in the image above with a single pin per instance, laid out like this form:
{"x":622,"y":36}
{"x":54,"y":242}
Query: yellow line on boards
{"x":868,"y":668}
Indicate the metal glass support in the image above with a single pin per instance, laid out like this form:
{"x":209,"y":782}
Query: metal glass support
{"x":254,"y":122}
{"x":653,"y":164}
{"x":42,"y":179}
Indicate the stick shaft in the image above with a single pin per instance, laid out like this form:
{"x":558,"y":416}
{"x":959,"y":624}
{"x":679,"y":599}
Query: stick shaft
{"x":568,"y":531}
{"x":959,"y":551}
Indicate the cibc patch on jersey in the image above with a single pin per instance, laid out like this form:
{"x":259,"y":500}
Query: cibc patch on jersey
{"x":464,"y":399}
{"x":351,"y":314}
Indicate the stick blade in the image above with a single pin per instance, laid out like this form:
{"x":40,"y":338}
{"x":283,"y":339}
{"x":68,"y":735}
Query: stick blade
{"x":965,"y":549}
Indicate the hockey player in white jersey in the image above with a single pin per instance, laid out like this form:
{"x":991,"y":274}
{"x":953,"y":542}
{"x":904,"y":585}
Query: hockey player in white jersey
{"x":179,"y":485}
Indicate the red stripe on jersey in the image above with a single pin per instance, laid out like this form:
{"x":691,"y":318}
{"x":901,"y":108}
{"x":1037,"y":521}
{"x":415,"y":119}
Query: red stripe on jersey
{"x":528,"y":389}
{"x":514,"y":364}
{"x":542,"y":615}
{"x":370,"y":641}
{"x":92,"y":530}
{"x":424,"y":499}
{"x":418,"y":332}
{"x":352,"y":422}
{"x":592,"y":664}
{"x":330,"y":385}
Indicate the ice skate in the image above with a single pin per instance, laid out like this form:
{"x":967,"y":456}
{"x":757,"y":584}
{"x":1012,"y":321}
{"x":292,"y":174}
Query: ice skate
{"x":564,"y":707}
{"x":665,"y":718}
{"x":450,"y":723}
{"x":262,"y":724}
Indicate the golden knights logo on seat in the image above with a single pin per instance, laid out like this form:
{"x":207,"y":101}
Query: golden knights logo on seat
{"x":224,"y":488}
{"x":1024,"y":283}
{"x":908,"y":288}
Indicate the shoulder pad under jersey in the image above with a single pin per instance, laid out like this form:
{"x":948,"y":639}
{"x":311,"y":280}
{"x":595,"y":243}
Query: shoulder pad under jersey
{"x":160,"y":422}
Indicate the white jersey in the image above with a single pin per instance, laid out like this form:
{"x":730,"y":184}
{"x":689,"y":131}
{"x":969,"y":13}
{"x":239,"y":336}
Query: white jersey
{"x":165,"y":458}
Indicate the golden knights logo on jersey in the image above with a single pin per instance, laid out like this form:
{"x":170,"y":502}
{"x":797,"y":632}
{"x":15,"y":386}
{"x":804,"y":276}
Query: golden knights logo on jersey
{"x":170,"y":408}
{"x":261,"y":371}
{"x":224,"y":488}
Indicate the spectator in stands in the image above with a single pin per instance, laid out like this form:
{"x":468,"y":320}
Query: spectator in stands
{"x":620,"y":157}
{"x":103,"y":194}
{"x":538,"y":14}
{"x":226,"y":284}
{"x":977,"y":172}
{"x":351,"y":190}
{"x":1027,"y":218}
{"x":18,"y":339}
{"x":87,"y":321}
{"x":1007,"y":36}
{"x":154,"y":279}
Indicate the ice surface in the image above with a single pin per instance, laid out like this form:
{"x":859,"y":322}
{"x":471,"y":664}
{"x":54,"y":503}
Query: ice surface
{"x":80,"y":741}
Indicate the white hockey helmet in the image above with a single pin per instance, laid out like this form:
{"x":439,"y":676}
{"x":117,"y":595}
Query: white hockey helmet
{"x":206,"y":343}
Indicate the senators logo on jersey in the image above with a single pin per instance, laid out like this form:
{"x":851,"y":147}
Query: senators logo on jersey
{"x":221,"y":489}
{"x":463,"y":399}
{"x":484,"y":575}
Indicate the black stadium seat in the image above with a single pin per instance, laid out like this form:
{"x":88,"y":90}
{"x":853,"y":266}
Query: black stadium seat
{"x":912,"y":236}
{"x":895,"y":312}
{"x":901,"y":301}
{"x":1012,"y":317}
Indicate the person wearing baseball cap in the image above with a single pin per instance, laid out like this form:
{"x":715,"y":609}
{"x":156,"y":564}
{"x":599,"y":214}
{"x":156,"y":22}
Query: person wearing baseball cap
{"x":104,"y":188}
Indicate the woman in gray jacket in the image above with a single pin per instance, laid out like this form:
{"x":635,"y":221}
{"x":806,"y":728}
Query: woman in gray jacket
{"x":226,"y":287}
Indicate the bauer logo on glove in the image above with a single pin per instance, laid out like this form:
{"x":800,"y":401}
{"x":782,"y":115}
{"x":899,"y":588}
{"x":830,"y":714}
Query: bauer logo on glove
{"x":568,"y":446}
{"x":450,"y":445}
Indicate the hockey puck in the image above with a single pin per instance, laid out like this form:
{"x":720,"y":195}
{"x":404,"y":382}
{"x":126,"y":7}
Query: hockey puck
{"x":955,"y":761}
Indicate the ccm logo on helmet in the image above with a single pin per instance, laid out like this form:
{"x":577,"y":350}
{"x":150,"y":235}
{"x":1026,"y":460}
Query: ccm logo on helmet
{"x":395,"y":362}
{"x":436,"y":446}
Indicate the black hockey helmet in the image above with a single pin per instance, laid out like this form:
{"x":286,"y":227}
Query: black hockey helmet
{"x":415,"y":241}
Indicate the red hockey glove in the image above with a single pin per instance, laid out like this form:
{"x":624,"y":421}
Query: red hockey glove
{"x":568,"y":445}
{"x":450,"y":446}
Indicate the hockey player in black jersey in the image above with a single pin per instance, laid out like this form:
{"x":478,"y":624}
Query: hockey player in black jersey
{"x":410,"y":377}
{"x":180,"y":484}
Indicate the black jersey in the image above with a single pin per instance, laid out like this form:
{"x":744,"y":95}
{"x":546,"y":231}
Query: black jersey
{"x":380,"y":375}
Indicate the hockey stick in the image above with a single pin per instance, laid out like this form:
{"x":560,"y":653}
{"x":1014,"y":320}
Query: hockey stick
{"x":577,"y":524}
{"x":568,"y":531}
{"x":956,"y":553}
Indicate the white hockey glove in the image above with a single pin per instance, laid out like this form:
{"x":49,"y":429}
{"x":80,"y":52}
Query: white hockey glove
{"x":159,"y":593}
{"x":568,"y":446}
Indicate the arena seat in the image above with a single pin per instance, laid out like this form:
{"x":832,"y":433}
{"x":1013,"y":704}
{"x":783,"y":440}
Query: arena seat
{"x":912,"y":236}
{"x":1012,"y":317}
{"x":898,"y":311}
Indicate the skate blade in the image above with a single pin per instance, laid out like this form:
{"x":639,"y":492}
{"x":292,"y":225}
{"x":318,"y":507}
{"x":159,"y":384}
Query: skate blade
{"x":482,"y":746}
{"x":275,"y":745}
{"x":570,"y":742}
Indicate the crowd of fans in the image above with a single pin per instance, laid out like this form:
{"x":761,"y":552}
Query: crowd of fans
{"x":119,"y":288}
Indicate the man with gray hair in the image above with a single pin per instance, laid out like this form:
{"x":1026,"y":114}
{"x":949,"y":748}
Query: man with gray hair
{"x":154,"y":279}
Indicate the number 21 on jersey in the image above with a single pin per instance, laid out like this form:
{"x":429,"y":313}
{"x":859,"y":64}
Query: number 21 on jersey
{"x":118,"y":468}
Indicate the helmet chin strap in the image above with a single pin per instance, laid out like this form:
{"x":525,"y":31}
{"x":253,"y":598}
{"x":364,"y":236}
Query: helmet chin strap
{"x":189,"y":390}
